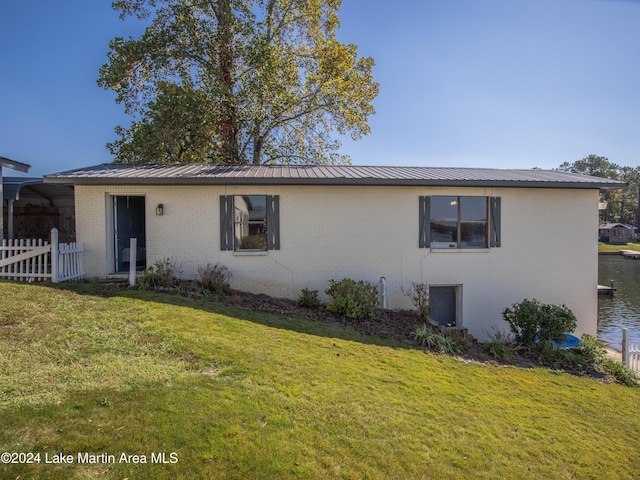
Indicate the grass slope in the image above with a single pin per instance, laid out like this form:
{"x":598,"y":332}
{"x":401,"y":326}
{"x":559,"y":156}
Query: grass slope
{"x":91,"y":369}
{"x":607,"y":247}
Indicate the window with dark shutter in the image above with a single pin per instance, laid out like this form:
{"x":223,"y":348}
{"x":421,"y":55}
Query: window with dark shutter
{"x":226,"y":222}
{"x":249,"y":222}
{"x":447,"y":222}
{"x":424,"y":239}
{"x":494,"y":229}
{"x":273,"y":222}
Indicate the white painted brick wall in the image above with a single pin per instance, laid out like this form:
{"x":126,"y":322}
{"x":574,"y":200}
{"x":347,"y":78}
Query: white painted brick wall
{"x":549,"y":243}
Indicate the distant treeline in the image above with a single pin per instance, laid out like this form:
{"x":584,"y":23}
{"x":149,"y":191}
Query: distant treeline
{"x":622,"y":205}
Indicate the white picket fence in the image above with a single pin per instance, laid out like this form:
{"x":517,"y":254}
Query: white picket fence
{"x":633,"y":360}
{"x":630,"y":352}
{"x":33,"y":260}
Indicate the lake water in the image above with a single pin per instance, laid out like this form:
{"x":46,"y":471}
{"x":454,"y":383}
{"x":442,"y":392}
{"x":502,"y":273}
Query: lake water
{"x":621,"y":310}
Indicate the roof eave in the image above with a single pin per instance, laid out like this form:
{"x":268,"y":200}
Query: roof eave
{"x":329,"y":181}
{"x":19,"y":166}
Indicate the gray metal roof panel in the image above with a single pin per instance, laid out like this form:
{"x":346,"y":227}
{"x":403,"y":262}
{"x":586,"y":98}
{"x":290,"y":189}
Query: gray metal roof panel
{"x":23,"y":188}
{"x":19,"y":166}
{"x":325,"y":174}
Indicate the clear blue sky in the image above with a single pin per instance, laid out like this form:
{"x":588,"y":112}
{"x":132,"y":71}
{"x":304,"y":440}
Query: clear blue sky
{"x":470,"y":83}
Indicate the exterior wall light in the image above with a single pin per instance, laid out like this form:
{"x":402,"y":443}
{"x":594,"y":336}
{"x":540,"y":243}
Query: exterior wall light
{"x":160,"y":209}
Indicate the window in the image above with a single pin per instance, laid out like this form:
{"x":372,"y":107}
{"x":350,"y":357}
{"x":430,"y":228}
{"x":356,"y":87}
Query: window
{"x":459,"y":222}
{"x":249,"y":222}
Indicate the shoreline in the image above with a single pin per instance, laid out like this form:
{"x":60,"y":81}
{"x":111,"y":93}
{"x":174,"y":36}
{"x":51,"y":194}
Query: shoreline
{"x":614,"y":353}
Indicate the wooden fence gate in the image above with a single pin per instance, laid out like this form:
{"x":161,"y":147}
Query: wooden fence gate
{"x":37,"y":260}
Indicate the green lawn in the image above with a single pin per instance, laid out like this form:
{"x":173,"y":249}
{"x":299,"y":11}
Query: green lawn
{"x":90,"y":369}
{"x":606,"y":247}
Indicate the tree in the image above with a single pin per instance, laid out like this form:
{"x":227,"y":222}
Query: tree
{"x":593,"y":165}
{"x":622,"y":205}
{"x":237,"y":81}
{"x":629,"y":206}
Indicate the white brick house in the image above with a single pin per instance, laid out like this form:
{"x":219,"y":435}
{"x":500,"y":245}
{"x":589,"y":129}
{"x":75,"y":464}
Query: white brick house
{"x":479,"y":237}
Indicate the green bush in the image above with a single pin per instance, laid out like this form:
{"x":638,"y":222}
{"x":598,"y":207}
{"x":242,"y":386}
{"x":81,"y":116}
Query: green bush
{"x":357,"y":300}
{"x":530,"y":319}
{"x":593,"y":350}
{"x":555,"y":321}
{"x":215,"y":278}
{"x":419,"y":296}
{"x":499,"y":351}
{"x":439,"y":342}
{"x":596,"y":352}
{"x":500,"y":345}
{"x":163,"y":273}
{"x":524,"y":320}
{"x":590,"y":356}
{"x":308,"y":298}
{"x":565,"y":359}
{"x":621,"y":372}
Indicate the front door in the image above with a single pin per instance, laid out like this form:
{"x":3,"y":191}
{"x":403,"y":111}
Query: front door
{"x":129,"y":222}
{"x":443,"y":305}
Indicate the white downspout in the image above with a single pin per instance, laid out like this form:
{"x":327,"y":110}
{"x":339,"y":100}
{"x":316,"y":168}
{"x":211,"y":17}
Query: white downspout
{"x":383,"y":288}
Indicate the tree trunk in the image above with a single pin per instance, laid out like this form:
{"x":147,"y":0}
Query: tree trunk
{"x":227,"y":116}
{"x":257,"y":146}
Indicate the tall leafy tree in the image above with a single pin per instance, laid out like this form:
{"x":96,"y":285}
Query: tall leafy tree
{"x":237,"y":81}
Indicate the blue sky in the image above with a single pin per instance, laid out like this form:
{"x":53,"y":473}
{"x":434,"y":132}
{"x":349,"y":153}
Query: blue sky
{"x":469,"y":83}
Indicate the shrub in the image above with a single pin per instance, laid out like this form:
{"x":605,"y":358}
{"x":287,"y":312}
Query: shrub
{"x":621,"y":372}
{"x":439,"y":342}
{"x":357,"y":300}
{"x":215,"y":278}
{"x":555,"y":321}
{"x":419,"y":296}
{"x":564,"y":359}
{"x":499,"y":351}
{"x":596,"y":352}
{"x":532,"y":321}
{"x":593,"y":350}
{"x":524,"y":320}
{"x":591,"y":356}
{"x":163,"y":273}
{"x":500,"y":344}
{"x":308,"y":298}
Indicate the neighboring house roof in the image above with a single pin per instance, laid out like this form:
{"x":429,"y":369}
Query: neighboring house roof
{"x":136,"y":174}
{"x":609,"y":226}
{"x":21,"y":167}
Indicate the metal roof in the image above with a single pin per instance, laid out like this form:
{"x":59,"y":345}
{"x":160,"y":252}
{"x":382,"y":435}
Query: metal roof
{"x":21,"y":167}
{"x":609,"y":226}
{"x":25,"y":190}
{"x":150,"y":174}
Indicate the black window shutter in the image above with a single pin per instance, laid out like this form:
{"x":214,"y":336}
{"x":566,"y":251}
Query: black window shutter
{"x":273,"y":222}
{"x":424,"y":241}
{"x":494,"y":229}
{"x":226,"y":222}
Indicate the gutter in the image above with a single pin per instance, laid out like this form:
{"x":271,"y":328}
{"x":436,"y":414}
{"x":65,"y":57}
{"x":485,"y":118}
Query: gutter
{"x":329,"y":181}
